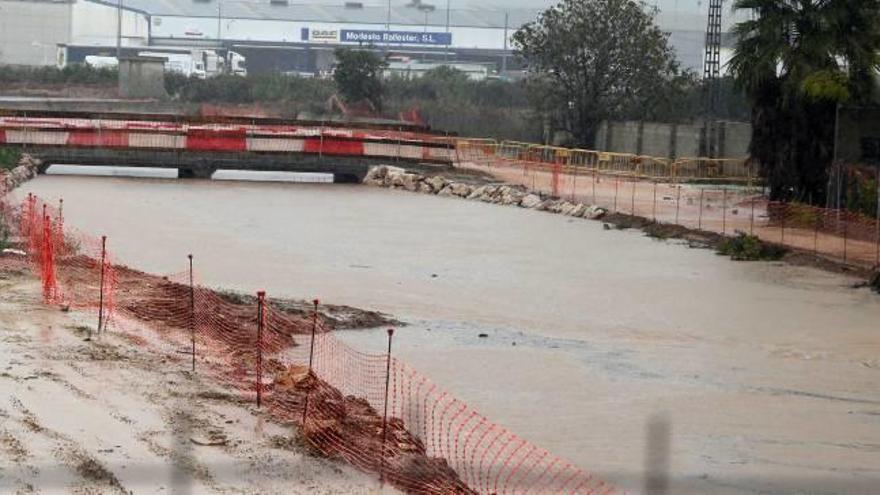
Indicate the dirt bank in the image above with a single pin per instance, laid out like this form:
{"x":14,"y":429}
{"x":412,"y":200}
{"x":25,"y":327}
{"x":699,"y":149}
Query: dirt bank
{"x":337,"y":317}
{"x":110,"y":416}
{"x":696,"y":238}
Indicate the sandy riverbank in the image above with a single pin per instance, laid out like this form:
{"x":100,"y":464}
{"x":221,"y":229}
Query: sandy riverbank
{"x":109,"y":416}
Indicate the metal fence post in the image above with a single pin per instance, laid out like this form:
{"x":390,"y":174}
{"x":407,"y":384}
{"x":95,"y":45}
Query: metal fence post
{"x":700,"y":215}
{"x":616,"y":187}
{"x":724,"y":212}
{"x":311,"y":360}
{"x":192,"y":312}
{"x":654,"y":209}
{"x":845,"y":234}
{"x":784,"y":213}
{"x":261,"y":301}
{"x":385,"y":415}
{"x":677,"y":203}
{"x":595,"y":171}
{"x":752,"y":221}
{"x":633,"y":205}
{"x":101,"y":289}
{"x":816,"y":236}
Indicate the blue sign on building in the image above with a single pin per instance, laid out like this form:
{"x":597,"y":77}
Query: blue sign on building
{"x":395,"y":37}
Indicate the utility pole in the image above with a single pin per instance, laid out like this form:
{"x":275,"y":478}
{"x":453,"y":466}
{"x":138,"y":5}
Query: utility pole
{"x":118,"y":29}
{"x":388,"y":29}
{"x":449,"y":46}
{"x":711,"y":74}
{"x":504,"y":51}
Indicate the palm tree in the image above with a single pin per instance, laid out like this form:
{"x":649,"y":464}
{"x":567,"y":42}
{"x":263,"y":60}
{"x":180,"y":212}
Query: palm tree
{"x":797,"y":61}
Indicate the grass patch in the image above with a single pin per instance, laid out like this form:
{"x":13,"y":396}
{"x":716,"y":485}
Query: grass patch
{"x":746,"y":247}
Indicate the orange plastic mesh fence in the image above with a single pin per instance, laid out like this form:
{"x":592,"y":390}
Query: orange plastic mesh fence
{"x":643,"y":187}
{"x":370,"y":410}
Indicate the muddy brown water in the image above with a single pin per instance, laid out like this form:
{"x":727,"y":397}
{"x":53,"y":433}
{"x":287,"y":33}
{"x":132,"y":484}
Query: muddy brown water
{"x":766,"y":375}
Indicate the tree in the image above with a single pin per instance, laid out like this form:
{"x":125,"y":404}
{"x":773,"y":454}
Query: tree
{"x":797,"y":62}
{"x":358,"y":76}
{"x":602,"y":56}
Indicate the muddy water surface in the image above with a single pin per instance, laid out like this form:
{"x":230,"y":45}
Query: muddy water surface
{"x":766,"y":374}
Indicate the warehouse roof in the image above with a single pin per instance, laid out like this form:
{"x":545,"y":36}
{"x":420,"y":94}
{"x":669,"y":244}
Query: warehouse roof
{"x":370,"y":12}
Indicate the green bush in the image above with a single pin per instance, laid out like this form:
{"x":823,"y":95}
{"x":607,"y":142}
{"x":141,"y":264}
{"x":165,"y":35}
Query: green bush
{"x":4,"y":234}
{"x":744,"y":247}
{"x":72,"y":74}
{"x":9,"y":158}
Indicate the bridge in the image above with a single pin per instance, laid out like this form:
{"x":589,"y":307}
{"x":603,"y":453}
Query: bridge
{"x":198,"y":148}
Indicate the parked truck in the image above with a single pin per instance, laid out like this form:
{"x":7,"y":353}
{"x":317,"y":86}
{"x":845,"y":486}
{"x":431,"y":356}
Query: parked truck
{"x":199,"y":62}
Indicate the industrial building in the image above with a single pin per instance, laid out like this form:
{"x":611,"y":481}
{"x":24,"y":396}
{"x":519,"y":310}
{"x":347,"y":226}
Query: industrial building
{"x":277,"y":35}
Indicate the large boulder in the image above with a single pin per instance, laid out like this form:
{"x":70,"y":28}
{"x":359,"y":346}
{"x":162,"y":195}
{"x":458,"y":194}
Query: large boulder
{"x":478,"y":192}
{"x":511,"y":196}
{"x":489,"y":194}
{"x":411,"y":181}
{"x":461,"y":190}
{"x":446,"y":191}
{"x":437,"y":183}
{"x":578,"y":210}
{"x":426,"y":188}
{"x":547,"y":205}
{"x":566,"y":208}
{"x":530,"y":200}
{"x":594,"y":213}
{"x":393,"y":176}
{"x":376,"y":176}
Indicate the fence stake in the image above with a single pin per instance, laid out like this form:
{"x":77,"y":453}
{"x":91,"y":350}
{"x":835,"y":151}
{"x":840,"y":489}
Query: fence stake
{"x":311,"y":359}
{"x":654,"y":210}
{"x":192,"y":312}
{"x":261,"y":301}
{"x":724,"y":212}
{"x":816,"y":236}
{"x":784,"y":212}
{"x":594,"y":186}
{"x":700,"y":216}
{"x":101,"y":290}
{"x":616,"y":186}
{"x":752,"y":221}
{"x":385,"y":415}
{"x":845,"y":232}
{"x":677,"y":203}
{"x":633,"y":205}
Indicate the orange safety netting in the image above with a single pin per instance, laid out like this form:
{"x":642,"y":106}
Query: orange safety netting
{"x":370,"y":410}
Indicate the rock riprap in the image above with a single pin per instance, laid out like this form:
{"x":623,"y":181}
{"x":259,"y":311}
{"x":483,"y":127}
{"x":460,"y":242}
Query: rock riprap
{"x":501,"y":194}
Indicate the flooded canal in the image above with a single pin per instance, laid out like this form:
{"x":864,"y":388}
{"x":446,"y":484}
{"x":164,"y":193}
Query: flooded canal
{"x":766,"y":374}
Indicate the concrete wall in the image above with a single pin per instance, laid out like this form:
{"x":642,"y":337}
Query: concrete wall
{"x":31,"y":30}
{"x":142,"y":78}
{"x":95,"y":24}
{"x":672,"y":140}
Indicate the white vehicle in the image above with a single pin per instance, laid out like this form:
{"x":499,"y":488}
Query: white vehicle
{"x":181,"y":63}
{"x":101,"y":62}
{"x":236,"y":63}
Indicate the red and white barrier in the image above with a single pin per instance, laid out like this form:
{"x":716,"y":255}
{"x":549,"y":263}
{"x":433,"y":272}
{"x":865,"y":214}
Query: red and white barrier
{"x":98,"y":133}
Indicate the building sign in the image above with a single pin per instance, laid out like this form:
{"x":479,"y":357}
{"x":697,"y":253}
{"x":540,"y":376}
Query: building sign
{"x":320,"y":35}
{"x":395,"y":37}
